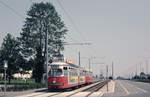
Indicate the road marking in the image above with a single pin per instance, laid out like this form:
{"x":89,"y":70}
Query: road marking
{"x":127,"y":92}
{"x":144,"y":91}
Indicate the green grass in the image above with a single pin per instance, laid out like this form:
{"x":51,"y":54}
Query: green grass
{"x":142,"y":80}
{"x":18,"y":81}
{"x":20,"y":85}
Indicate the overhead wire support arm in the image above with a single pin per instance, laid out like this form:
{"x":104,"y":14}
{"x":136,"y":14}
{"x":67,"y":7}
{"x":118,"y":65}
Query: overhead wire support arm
{"x":65,"y":43}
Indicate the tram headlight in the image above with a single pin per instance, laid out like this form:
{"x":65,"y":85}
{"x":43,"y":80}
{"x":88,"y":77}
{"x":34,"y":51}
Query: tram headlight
{"x":54,"y":81}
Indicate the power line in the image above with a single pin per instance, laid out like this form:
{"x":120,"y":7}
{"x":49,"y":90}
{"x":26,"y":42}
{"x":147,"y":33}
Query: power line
{"x":75,"y":27}
{"x":31,"y":1}
{"x":13,"y":10}
{"x":71,"y":20}
{"x":77,"y":43}
{"x":73,"y":39}
{"x":73,"y":23}
{"x":129,"y":70}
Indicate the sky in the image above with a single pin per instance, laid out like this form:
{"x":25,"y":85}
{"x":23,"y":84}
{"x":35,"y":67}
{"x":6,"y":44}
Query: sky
{"x":118,"y":31}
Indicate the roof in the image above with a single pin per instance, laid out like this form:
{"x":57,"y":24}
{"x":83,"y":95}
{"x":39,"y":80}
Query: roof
{"x":64,"y":63}
{"x":68,"y":64}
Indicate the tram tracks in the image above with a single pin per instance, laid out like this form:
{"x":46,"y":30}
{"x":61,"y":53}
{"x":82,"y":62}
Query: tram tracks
{"x":95,"y":88}
{"x":87,"y":91}
{"x":90,"y":90}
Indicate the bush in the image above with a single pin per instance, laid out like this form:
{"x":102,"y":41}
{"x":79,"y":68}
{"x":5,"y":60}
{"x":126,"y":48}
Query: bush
{"x":24,"y":87}
{"x":20,"y":85}
{"x":143,"y":80}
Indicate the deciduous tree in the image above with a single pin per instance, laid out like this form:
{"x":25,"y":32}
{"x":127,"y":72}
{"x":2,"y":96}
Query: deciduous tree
{"x":42,"y":20}
{"x":10,"y":51}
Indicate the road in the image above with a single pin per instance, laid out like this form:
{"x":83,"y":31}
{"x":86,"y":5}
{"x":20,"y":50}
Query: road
{"x":124,"y":88}
{"x":118,"y":88}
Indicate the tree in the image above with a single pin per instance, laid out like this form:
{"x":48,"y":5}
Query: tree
{"x":42,"y":20}
{"x":10,"y":51}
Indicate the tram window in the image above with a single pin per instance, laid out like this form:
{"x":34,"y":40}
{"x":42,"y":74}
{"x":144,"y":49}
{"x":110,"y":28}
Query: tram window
{"x":73,"y":72}
{"x":70,"y":73}
{"x":55,"y":72}
{"x":85,"y":73}
{"x":65,"y":73}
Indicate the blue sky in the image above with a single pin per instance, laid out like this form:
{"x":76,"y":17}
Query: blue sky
{"x":117,"y":29}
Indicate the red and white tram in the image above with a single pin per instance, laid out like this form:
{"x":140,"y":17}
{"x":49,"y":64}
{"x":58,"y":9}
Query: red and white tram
{"x":64,"y":74}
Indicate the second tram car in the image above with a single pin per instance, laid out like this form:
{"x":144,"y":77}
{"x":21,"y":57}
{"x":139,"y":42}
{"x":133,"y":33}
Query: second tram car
{"x":65,"y":74}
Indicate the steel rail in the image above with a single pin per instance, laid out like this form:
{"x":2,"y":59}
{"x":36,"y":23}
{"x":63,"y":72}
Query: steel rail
{"x":96,"y":88}
{"x":99,"y":83}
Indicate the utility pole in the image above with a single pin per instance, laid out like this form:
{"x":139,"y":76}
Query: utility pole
{"x":89,"y":64}
{"x":79,"y":59}
{"x":146,"y":66}
{"x":46,"y":58}
{"x":112,"y":70}
{"x":140,"y":68}
{"x":79,"y":69}
{"x":5,"y":68}
{"x":136,"y":71}
{"x":107,"y":76}
{"x":106,"y":71}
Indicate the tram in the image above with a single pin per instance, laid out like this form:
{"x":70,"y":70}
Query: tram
{"x":63,"y":73}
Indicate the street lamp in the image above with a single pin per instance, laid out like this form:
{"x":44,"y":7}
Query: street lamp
{"x":5,"y":68}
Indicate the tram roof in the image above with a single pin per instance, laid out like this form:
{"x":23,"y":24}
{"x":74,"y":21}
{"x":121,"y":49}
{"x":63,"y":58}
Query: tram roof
{"x":64,"y":63}
{"x":69,"y":64}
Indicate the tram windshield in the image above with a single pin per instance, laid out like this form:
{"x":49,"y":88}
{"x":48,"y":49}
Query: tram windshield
{"x":55,"y":72}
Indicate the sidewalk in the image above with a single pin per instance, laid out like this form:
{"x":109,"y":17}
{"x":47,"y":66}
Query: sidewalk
{"x":18,"y":93}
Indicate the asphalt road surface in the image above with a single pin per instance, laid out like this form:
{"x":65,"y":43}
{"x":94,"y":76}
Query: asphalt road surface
{"x":119,"y":88}
{"x":124,"y":88}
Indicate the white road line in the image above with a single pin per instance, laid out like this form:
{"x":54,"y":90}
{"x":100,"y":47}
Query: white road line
{"x":127,"y":92}
{"x":144,"y":91}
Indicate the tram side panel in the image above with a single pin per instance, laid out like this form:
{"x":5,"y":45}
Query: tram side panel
{"x":57,"y":82}
{"x":72,"y":81}
{"x":58,"y":77}
{"x":82,"y":78}
{"x":89,"y":78}
{"x":68,"y":77}
{"x":72,"y":77}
